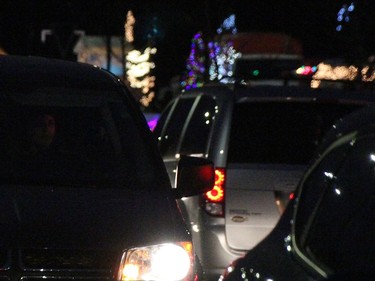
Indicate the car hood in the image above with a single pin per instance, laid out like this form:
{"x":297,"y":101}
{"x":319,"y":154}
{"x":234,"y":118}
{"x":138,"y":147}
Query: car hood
{"x":84,"y":218}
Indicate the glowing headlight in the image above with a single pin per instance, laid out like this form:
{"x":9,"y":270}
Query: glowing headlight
{"x":167,"y":262}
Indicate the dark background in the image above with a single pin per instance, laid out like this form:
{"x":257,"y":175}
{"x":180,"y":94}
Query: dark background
{"x":313,"y":22}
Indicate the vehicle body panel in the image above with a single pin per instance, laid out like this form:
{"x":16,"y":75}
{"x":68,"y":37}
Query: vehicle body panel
{"x":56,"y":217}
{"x":82,"y":183}
{"x":265,"y":172}
{"x":250,"y":201}
{"x":319,"y":236}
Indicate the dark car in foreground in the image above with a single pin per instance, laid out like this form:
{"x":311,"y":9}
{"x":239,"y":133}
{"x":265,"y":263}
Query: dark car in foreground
{"x":84,"y":193}
{"x":327,"y":231}
{"x":260,"y":139}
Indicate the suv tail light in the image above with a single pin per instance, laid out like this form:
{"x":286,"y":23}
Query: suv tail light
{"x":214,"y":199}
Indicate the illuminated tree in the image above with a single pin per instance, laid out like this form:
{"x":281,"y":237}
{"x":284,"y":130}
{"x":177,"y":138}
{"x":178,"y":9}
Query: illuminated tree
{"x":195,"y":64}
{"x":222,"y":54}
{"x":221,"y":57}
{"x":139,"y":65}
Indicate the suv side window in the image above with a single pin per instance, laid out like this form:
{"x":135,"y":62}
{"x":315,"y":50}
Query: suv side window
{"x":339,"y":234}
{"x":197,"y":134}
{"x":313,"y":188}
{"x":171,"y":132}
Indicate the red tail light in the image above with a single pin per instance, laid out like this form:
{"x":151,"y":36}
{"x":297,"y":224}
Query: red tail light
{"x":291,"y":196}
{"x":216,"y":194}
{"x":214,"y":199}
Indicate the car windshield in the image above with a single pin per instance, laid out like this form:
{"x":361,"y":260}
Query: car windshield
{"x":281,"y":132}
{"x":64,"y":137}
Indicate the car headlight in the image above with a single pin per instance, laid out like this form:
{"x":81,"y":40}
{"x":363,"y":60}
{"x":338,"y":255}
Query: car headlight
{"x":167,"y":262}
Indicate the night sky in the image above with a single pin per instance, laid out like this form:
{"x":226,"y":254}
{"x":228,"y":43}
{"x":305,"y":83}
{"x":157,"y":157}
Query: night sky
{"x":312,"y":22}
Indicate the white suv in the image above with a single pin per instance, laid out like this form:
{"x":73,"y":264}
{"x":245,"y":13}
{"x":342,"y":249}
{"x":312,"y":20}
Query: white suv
{"x":260,"y":140}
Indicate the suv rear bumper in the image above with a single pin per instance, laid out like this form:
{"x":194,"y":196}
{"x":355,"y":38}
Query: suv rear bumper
{"x":214,"y":253}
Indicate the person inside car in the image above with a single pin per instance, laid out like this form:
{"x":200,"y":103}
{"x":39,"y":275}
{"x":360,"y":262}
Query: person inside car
{"x":32,"y":144}
{"x":42,"y":133}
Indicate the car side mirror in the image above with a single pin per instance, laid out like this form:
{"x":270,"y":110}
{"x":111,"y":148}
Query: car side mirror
{"x":194,"y":176}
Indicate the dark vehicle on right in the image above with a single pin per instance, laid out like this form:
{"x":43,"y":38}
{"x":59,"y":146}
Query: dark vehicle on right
{"x":327,"y":232}
{"x":260,"y":139}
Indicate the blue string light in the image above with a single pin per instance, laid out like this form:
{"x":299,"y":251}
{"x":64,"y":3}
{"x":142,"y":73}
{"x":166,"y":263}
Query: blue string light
{"x":343,"y":15}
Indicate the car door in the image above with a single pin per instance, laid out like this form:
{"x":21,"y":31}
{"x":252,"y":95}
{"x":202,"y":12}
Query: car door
{"x":333,"y":229}
{"x":184,"y":129}
{"x":169,"y":129}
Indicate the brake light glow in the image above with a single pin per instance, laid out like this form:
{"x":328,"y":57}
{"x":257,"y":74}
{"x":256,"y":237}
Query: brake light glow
{"x":291,"y":196}
{"x":216,"y":194}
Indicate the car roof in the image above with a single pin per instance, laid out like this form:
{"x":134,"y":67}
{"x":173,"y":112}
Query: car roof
{"x":34,"y":72}
{"x":300,"y":93}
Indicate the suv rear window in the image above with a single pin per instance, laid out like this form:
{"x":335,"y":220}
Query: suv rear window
{"x":280,"y":132}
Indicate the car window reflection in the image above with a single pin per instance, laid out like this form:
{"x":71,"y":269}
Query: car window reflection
{"x":67,"y":145}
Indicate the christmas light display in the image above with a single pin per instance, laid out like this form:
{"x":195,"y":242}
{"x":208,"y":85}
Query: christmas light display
{"x":221,"y":57}
{"x":306,"y":70}
{"x":368,"y":74}
{"x":195,"y":64}
{"x":327,"y":72}
{"x":228,"y":25}
{"x":222,"y":54}
{"x":129,"y":27}
{"x":343,"y":15}
{"x":139,"y":65}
